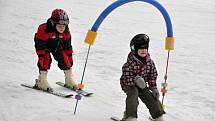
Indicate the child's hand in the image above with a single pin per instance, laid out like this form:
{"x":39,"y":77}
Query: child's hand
{"x":140,"y":82}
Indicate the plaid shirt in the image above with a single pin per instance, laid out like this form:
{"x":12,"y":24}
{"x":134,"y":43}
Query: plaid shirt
{"x":134,"y":67}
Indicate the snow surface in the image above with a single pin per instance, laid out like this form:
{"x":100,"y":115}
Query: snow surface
{"x":190,"y":75}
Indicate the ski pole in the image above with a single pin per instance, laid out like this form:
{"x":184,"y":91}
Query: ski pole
{"x":81,"y":85}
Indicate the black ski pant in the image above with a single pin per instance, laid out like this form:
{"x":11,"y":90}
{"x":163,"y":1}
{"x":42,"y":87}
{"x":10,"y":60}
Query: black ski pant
{"x":133,"y":93}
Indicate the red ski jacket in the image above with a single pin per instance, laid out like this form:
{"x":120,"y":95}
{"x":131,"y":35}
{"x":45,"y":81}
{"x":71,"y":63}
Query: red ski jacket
{"x":48,"y":40}
{"x":52,"y":41}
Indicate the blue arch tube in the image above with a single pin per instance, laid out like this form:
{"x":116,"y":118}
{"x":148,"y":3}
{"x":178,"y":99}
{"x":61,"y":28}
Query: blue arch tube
{"x":91,"y":35}
{"x":118,"y":3}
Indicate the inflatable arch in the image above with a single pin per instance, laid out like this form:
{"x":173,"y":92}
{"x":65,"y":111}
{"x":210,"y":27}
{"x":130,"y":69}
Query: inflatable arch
{"x":91,"y":35}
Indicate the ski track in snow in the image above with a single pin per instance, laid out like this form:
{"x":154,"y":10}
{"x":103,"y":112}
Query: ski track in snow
{"x":191,"y":78}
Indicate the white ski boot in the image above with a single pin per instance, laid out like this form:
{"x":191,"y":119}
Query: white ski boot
{"x":159,"y":119}
{"x":42,"y":82}
{"x":131,"y":119}
{"x":69,"y":81}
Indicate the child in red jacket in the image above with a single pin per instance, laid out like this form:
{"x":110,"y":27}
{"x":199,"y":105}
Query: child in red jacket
{"x":54,"y":37}
{"x":138,"y":80}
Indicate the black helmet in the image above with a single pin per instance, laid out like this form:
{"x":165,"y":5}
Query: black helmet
{"x":59,"y":16}
{"x":139,"y":41}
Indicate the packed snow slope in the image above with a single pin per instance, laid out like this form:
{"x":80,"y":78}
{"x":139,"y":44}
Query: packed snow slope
{"x":191,"y":71}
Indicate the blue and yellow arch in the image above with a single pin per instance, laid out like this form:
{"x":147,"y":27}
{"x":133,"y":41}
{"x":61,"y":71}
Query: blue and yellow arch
{"x":91,"y":35}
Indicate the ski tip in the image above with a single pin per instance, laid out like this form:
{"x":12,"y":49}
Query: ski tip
{"x":115,"y":118}
{"x":68,"y":96}
{"x":89,"y":95}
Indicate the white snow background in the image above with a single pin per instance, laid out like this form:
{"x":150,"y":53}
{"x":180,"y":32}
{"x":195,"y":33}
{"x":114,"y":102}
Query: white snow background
{"x":191,"y":90}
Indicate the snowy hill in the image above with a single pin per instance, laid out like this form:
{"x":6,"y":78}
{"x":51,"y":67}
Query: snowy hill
{"x":191,"y":71}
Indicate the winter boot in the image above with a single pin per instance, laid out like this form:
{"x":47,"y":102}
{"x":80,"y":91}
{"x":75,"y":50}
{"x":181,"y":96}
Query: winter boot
{"x":42,"y":83}
{"x":159,"y":119}
{"x":69,"y":81}
{"x":131,"y":119}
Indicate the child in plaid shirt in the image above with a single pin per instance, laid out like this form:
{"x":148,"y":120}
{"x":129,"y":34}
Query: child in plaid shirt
{"x":138,"y":80}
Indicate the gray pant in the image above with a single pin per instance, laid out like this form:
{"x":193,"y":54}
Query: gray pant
{"x":153,"y":104}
